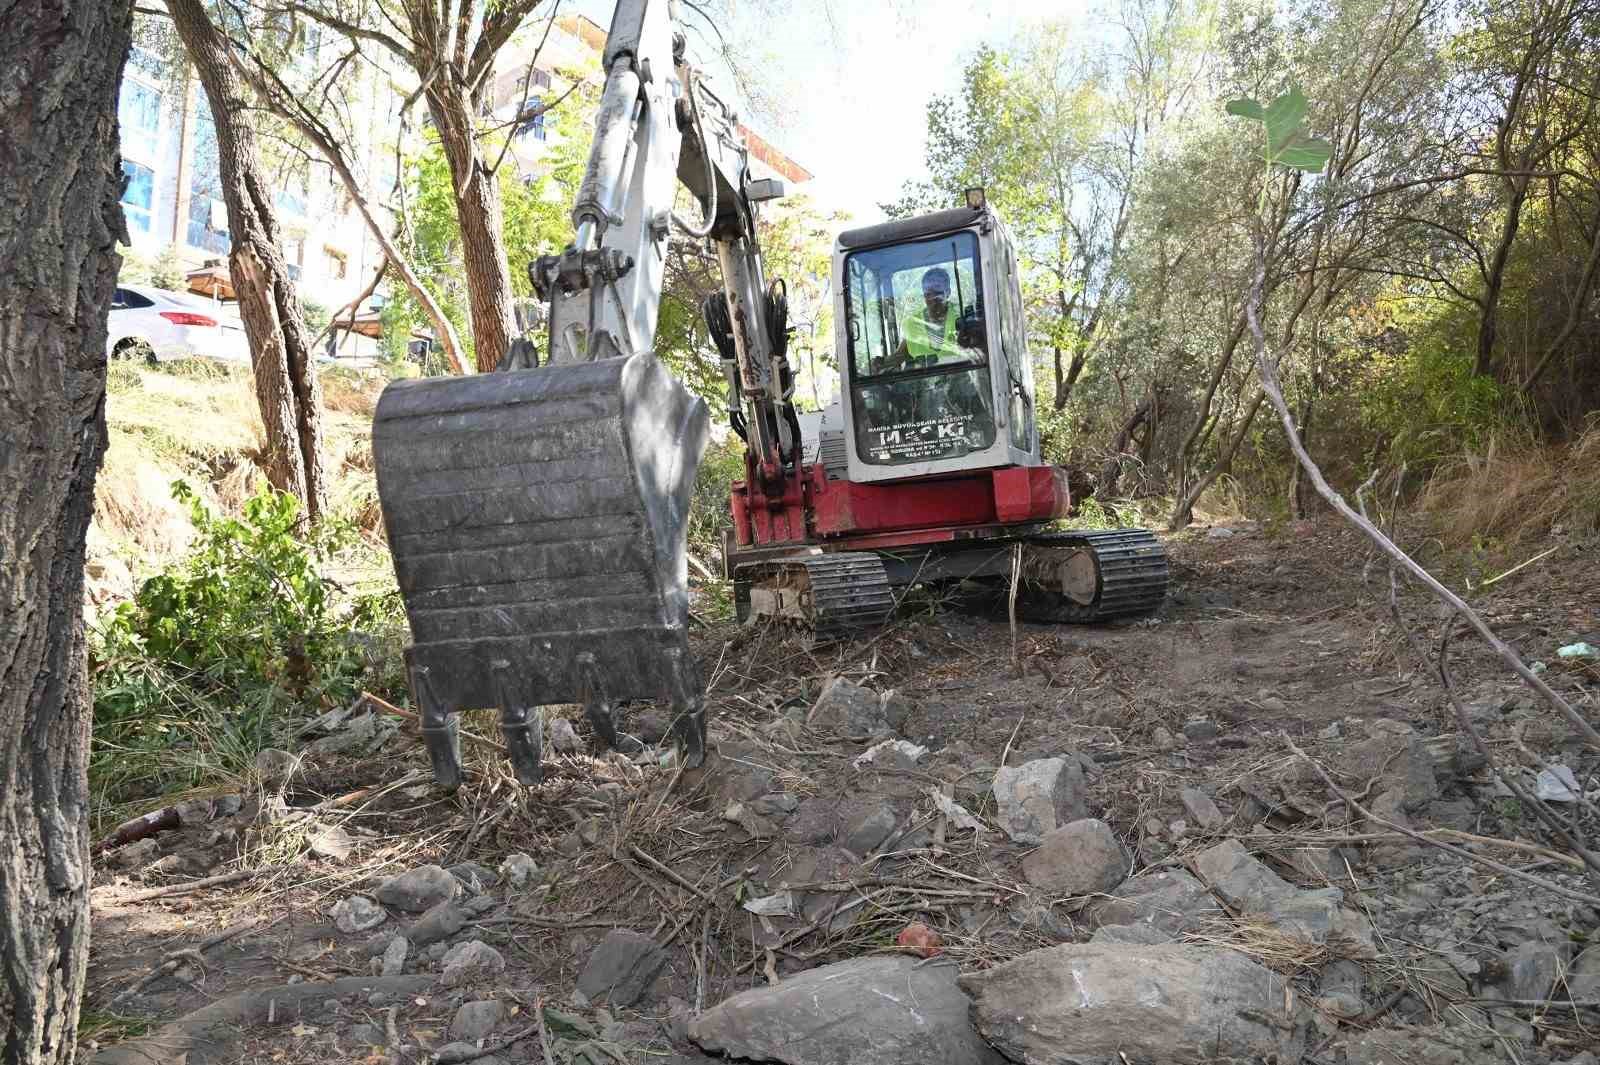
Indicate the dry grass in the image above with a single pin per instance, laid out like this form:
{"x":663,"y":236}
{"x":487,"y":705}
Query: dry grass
{"x":1516,"y":495}
{"x":200,"y":423}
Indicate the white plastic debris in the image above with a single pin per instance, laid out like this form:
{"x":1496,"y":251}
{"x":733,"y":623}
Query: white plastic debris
{"x":779,"y":905}
{"x":1581,"y":649}
{"x":959,"y":815}
{"x":911,"y":752}
{"x":1557,"y":784}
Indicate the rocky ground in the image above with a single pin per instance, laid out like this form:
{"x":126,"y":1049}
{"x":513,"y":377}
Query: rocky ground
{"x":947,"y":842}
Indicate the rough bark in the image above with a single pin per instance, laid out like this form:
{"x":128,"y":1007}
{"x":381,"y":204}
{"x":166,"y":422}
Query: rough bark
{"x":60,"y":66}
{"x":287,"y":388}
{"x":1183,"y":513}
{"x":483,"y":250}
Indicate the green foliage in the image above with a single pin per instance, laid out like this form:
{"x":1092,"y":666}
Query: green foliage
{"x":198,"y":671}
{"x":1287,"y":142}
{"x":317,"y":315}
{"x":534,"y":224}
{"x":709,"y":518}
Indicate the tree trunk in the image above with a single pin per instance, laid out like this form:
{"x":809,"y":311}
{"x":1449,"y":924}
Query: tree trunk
{"x":287,"y":389}
{"x":60,"y":67}
{"x":1183,"y":513}
{"x":477,"y":195}
{"x":1494,"y":280}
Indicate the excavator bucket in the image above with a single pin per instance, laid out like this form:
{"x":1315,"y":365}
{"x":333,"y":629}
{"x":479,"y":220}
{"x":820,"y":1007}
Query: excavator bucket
{"x":537,"y":522}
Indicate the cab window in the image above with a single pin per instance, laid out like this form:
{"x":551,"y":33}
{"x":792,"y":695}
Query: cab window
{"x":918,"y":351}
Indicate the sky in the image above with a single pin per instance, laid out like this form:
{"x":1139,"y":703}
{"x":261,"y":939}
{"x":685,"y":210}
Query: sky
{"x":857,"y":76}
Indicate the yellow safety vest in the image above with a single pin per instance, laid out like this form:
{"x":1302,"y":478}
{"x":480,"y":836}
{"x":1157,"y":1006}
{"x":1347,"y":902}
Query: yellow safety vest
{"x":921,"y":345}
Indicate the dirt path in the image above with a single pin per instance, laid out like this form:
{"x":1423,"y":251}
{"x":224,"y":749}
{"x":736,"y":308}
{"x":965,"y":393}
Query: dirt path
{"x":1263,"y":634}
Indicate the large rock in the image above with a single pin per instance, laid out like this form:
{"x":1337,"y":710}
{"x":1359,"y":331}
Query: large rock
{"x":1038,"y":796}
{"x":1081,"y":858}
{"x":1172,"y":902}
{"x":867,"y":1011}
{"x":1083,"y":1003}
{"x":622,"y":968}
{"x":848,"y":709}
{"x":469,"y":962}
{"x":1315,"y":917}
{"x":418,"y":889}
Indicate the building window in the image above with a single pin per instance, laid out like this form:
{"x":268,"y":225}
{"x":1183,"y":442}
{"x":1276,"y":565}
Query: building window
{"x":139,"y":114}
{"x":292,"y":205}
{"x":208,"y":222}
{"x":138,"y":196}
{"x":293,"y":253}
{"x":531,"y":122}
{"x":337,"y":263}
{"x":541,"y":80}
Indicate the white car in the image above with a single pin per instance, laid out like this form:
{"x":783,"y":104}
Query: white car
{"x":154,"y":325}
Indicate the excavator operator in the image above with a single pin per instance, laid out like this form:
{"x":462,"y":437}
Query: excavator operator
{"x":931,"y":338}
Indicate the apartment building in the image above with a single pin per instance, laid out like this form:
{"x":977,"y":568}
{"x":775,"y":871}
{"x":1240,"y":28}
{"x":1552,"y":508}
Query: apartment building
{"x":173,"y":199}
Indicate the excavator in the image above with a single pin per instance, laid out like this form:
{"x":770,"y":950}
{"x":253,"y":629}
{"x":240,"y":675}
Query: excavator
{"x":537,"y":515}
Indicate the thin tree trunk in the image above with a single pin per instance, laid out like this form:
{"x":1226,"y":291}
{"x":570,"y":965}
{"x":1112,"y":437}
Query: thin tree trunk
{"x":287,"y":388}
{"x":1183,"y":513}
{"x":60,"y":67}
{"x":281,"y":99}
{"x":477,"y":195}
{"x":1494,"y":280}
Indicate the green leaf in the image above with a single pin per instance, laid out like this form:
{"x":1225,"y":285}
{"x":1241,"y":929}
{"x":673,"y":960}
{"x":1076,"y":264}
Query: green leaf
{"x":1247,"y":108}
{"x":1310,"y":154}
{"x":1283,"y":118}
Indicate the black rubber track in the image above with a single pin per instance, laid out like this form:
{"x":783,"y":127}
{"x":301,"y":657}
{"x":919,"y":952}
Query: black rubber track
{"x":1132,"y":581}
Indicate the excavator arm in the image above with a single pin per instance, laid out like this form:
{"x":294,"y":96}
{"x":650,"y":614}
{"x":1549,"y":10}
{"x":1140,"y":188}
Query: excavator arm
{"x":537,"y":516}
{"x":659,"y":125}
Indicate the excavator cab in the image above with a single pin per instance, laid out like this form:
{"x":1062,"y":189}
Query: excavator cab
{"x":935,"y":378}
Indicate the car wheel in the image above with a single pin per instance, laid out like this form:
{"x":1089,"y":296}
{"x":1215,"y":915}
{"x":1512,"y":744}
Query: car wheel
{"x":134,"y":348}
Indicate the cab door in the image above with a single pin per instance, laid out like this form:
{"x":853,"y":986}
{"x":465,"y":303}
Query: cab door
{"x":1019,"y":400}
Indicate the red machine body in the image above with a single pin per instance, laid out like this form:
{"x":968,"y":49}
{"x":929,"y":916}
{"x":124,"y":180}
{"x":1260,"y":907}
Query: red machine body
{"x":817,"y":511}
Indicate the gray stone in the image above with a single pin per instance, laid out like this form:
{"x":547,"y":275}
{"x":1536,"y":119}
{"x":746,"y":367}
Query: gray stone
{"x":622,"y":968}
{"x":329,"y":841}
{"x":418,"y":889}
{"x":563,"y":737}
{"x":1034,"y":914}
{"x":1080,"y":858}
{"x":1411,"y":1046}
{"x":469,"y":962}
{"x":439,"y":923}
{"x":1339,"y":991}
{"x":778,"y":804}
{"x":474,"y":877}
{"x":1316,"y":917}
{"x":357,"y":914}
{"x":1095,"y":1001}
{"x":136,"y":854}
{"x":1038,"y":796}
{"x":1172,"y":902}
{"x":275,"y":765}
{"x":1163,"y":738}
{"x":1200,"y":730}
{"x":866,"y":1011}
{"x":848,"y":709}
{"x":869,"y":830}
{"x":1145,"y":934}
{"x":361,"y":735}
{"x":1532,"y":969}
{"x":518,"y":870}
{"x":475,"y":1020}
{"x":394,"y":956}
{"x":379,"y":942}
{"x":1202,"y":809}
{"x":366,"y":1035}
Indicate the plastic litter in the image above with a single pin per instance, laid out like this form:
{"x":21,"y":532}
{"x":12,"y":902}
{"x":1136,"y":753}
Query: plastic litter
{"x":1580,"y":649}
{"x":911,"y":752}
{"x":1557,"y":784}
{"x":959,"y":815}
